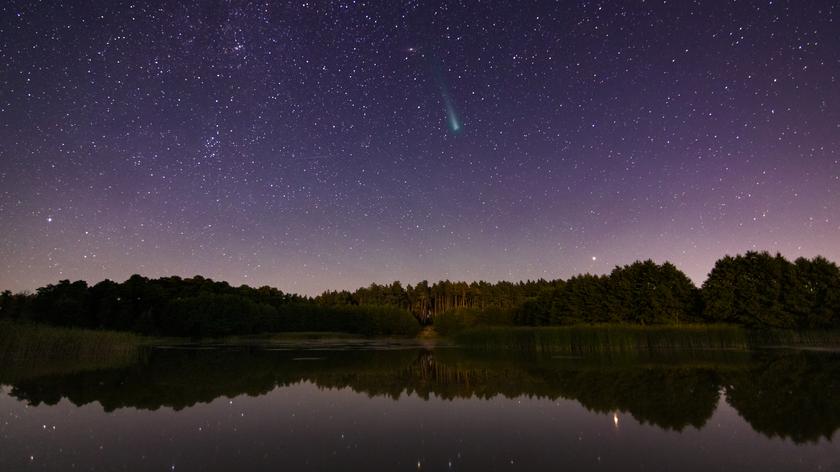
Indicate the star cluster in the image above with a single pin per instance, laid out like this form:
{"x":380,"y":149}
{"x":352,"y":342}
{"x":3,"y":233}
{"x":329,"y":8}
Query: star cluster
{"x":311,"y":145}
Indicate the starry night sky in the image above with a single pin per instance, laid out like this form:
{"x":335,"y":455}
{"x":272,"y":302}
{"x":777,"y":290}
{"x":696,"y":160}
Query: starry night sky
{"x":316,"y":145}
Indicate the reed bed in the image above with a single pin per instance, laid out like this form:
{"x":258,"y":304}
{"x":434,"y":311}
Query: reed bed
{"x":588,"y":339}
{"x":32,"y":349}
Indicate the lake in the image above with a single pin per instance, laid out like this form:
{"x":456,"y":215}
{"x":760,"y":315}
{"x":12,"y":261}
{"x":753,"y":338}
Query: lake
{"x":372,"y":405}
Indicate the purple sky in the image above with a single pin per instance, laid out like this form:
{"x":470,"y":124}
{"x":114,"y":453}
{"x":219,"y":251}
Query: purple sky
{"x":323,"y":145}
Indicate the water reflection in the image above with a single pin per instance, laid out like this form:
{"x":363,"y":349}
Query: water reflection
{"x":795,"y":395}
{"x":788,"y":394}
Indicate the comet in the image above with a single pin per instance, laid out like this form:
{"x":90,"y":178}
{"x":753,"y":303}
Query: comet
{"x":454,"y":124}
{"x":451,"y":116}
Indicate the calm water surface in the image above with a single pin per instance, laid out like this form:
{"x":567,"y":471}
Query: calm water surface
{"x":363,"y":407}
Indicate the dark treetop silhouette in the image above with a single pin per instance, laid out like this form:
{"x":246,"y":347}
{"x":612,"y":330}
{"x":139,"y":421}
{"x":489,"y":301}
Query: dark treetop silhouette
{"x":756,"y":290}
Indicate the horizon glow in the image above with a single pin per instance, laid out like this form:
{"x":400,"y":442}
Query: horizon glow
{"x":167,"y":141}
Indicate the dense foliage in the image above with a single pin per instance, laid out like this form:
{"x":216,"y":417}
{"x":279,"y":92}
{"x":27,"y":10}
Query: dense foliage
{"x":427,"y":302}
{"x":196,"y":306}
{"x":757,"y":290}
{"x":643,"y":293}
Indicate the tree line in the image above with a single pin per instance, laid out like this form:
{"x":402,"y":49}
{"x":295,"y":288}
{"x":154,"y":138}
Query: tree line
{"x":426,"y":302}
{"x":757,"y":290}
{"x":197,"y":306}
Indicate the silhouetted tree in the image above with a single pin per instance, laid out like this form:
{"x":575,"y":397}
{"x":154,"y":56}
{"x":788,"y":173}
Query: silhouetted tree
{"x":756,"y":290}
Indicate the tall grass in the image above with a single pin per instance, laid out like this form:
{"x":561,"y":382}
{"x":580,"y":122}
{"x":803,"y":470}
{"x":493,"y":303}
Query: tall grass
{"x":584,"y":339}
{"x":793,"y":338}
{"x":33,"y":349}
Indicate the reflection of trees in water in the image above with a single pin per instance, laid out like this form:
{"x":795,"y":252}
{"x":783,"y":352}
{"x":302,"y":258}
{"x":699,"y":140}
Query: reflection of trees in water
{"x":790,"y":395}
{"x":182,"y":378}
{"x":795,"y":395}
{"x":671,"y":398}
{"x":668,"y":397}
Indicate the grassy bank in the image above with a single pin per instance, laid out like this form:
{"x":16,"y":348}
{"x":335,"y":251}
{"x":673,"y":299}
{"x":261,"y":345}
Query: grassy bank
{"x":829,"y":339}
{"x":28,"y":349}
{"x":582,"y":339}
{"x":585,"y":339}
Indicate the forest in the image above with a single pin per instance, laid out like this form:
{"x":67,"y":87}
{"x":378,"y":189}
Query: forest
{"x":196,"y":307}
{"x":755,"y":290}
